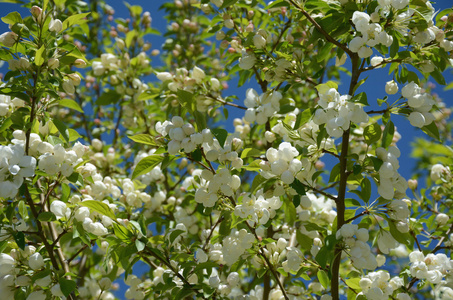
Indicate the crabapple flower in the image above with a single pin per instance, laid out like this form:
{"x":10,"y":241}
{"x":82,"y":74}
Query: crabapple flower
{"x":7,"y":264}
{"x":59,"y":209}
{"x":391,"y":87}
{"x":55,"y":25}
{"x":14,"y":167}
{"x":8,"y":39}
{"x":36,"y":261}
{"x":247,"y":61}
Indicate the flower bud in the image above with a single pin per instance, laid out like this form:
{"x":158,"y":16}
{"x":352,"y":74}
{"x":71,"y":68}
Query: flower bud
{"x":68,"y":87}
{"x":80,"y":63}
{"x":36,"y":261}
{"x":442,"y":219}
{"x":198,"y":74}
{"x":412,"y":183}
{"x":53,"y":63}
{"x":55,"y":26}
{"x":8,"y":39}
{"x":391,"y":87}
{"x":36,"y":12}
{"x":75,"y":78}
{"x":105,"y":284}
{"x":259,"y":41}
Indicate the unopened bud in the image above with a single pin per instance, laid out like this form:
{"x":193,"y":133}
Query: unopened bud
{"x":36,"y":12}
{"x":75,"y":78}
{"x":53,"y":63}
{"x":412,"y":183}
{"x":80,"y":63}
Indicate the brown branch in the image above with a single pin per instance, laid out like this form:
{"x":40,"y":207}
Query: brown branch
{"x":439,"y":244}
{"x":76,"y":254}
{"x":211,"y":232}
{"x":380,"y":64}
{"x":330,"y":152}
{"x":322,"y":31}
{"x":227,"y":103}
{"x":323,"y":193}
{"x":341,"y":207}
{"x":365,"y":212}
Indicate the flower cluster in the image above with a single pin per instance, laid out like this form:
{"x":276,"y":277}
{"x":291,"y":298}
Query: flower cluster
{"x":226,"y":155}
{"x":389,"y":178}
{"x":183,"y":136}
{"x":432,"y":267}
{"x":14,"y":167}
{"x":420,"y":103}
{"x":359,"y":250}
{"x":337,"y":111}
{"x":235,"y":245}
{"x":258,"y":208}
{"x":185,"y":80}
{"x":378,"y":285}
{"x":221,"y":182}
{"x":399,"y":211}
{"x":261,"y":108}
{"x":282,"y":162}
{"x":372,"y":34}
{"x":8,"y":105}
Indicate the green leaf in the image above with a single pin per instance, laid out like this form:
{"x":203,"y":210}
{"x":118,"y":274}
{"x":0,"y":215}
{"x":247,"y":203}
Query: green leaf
{"x":372,"y":133}
{"x":278,"y":3}
{"x":353,"y":283}
{"x":360,"y":98}
{"x":46,"y":216}
{"x":290,"y":212}
{"x":174,"y":234}
{"x":143,"y":138}
{"x":75,"y":20}
{"x":39,"y":59}
{"x":257,"y":181}
{"x":140,"y":245}
{"x":67,"y":286}
{"x":6,"y":124}
{"x":147,"y":164}
{"x":394,"y":47}
{"x":129,"y":37}
{"x":227,"y":3}
{"x":432,"y":130}
{"x":62,"y":129}
{"x":73,"y":135}
{"x":322,"y":257}
{"x":437,"y":75}
{"x":250,"y":152}
{"x":323,"y":278}
{"x":12,"y":18}
{"x":403,"y":238}
{"x":196,"y":155}
{"x":109,"y":97}
{"x":298,"y":186}
{"x":387,"y":136}
{"x":122,"y":233}
{"x":69,"y":103}
{"x":19,"y":237}
{"x":365,"y":184}
{"x":221,"y":135}
{"x":225,"y":225}
{"x":99,"y":207}
{"x":23,"y":210}
{"x":186,"y":99}
{"x":65,"y":192}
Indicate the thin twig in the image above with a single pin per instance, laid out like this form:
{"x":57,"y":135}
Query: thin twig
{"x":321,"y":30}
